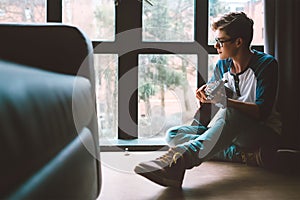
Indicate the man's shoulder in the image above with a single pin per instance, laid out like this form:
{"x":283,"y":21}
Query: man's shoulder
{"x":264,"y":65}
{"x":263,"y":57}
{"x":263,"y":61}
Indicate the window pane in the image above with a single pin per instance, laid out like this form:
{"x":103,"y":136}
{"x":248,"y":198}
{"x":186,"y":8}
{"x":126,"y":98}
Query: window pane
{"x":253,"y":8}
{"x":106,"y":70}
{"x":212,"y":61}
{"x":168,"y":20}
{"x":95,"y":18}
{"x":33,"y":11}
{"x":166,"y":88}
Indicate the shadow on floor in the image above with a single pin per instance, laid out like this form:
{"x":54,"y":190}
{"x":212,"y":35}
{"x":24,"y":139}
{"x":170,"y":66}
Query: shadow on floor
{"x":241,"y":185}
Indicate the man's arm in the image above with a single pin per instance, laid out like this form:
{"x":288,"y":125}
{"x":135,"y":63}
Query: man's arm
{"x":250,"y":109}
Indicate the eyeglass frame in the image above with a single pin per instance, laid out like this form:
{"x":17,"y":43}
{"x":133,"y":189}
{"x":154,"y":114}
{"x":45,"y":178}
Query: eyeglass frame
{"x":221,"y":42}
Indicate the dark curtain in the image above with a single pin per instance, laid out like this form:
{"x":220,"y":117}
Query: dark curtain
{"x":282,"y":34}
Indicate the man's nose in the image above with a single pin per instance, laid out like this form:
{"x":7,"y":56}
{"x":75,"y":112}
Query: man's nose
{"x":217,"y":45}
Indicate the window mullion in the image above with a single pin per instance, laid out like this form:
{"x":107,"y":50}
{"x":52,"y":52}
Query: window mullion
{"x":128,"y":82}
{"x":201,"y":37}
{"x":54,"y":10}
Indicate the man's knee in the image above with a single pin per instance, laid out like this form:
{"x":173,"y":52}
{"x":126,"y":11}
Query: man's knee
{"x":171,"y":133}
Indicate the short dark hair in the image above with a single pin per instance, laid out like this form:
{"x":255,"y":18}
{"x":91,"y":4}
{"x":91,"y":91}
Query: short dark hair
{"x":236,"y":24}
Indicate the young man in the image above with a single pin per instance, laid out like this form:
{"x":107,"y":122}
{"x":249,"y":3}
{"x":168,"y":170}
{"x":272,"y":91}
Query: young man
{"x":247,"y":119}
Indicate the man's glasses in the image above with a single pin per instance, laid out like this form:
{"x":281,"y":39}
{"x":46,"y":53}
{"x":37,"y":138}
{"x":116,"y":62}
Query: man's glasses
{"x":221,"y":42}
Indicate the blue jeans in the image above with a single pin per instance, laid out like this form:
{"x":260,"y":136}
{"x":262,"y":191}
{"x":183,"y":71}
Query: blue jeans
{"x":228,"y":127}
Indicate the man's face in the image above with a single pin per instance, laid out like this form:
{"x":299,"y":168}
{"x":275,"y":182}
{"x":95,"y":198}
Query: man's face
{"x":224,"y":44}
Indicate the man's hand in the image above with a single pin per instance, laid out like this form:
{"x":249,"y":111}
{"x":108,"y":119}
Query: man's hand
{"x":248,"y":108}
{"x":200,"y":94}
{"x":213,"y":93}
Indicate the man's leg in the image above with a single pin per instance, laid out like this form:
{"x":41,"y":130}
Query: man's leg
{"x":255,"y":145}
{"x":180,"y":134}
{"x":169,"y":170}
{"x":258,"y":146}
{"x":231,"y":154}
{"x":222,"y":130}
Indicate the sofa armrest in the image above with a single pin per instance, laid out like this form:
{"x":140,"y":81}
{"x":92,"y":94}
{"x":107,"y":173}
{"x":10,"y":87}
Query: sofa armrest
{"x":39,"y":120}
{"x":46,"y":78}
{"x":52,"y":46}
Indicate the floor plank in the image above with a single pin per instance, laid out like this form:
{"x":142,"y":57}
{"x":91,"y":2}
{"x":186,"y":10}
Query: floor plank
{"x":211,"y":180}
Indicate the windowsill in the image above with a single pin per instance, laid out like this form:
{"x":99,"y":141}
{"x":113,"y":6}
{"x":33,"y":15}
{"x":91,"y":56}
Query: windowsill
{"x":133,"y":145}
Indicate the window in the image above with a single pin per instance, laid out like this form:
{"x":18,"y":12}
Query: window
{"x":33,"y":11}
{"x":106,"y":69}
{"x":150,"y":55}
{"x":96,"y":18}
{"x":166,"y":85}
{"x":169,"y":21}
{"x":253,"y":8}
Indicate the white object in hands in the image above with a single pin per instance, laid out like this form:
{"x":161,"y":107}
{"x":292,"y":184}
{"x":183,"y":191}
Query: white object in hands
{"x":215,"y":92}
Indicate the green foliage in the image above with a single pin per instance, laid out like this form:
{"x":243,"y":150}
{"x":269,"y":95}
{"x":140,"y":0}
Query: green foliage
{"x":158,"y":75}
{"x":217,"y":7}
{"x":146,"y":91}
{"x":159,"y":20}
{"x":170,"y":78}
{"x":169,"y":20}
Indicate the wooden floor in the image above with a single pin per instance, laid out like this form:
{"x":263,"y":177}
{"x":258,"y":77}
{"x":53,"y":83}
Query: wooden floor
{"x":211,"y":180}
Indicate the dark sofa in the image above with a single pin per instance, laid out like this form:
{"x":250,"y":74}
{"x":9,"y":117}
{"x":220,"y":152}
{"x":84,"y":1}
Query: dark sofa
{"x":49,"y":145}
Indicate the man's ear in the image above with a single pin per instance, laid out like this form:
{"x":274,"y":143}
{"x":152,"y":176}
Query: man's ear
{"x":239,"y":41}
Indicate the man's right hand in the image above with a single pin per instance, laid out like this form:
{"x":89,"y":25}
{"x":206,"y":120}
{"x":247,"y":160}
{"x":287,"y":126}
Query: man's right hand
{"x":200,"y":94}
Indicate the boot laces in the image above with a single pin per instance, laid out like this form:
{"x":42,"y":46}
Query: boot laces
{"x":170,"y":157}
